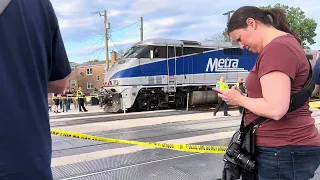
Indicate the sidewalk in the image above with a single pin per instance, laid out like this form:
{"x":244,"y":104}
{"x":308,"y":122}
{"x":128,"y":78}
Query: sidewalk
{"x":91,"y":109}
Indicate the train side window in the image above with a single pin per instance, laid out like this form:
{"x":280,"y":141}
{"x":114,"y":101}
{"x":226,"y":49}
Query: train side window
{"x":179,"y":51}
{"x":232,"y":51}
{"x":191,"y":50}
{"x":147,"y":55}
{"x":160,"y":52}
{"x":171,"y":52}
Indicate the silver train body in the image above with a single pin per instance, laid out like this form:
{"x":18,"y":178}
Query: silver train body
{"x":163,"y":73}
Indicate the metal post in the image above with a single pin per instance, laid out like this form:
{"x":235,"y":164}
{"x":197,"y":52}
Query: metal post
{"x":106,"y":27}
{"x":187,"y":108}
{"x":141,"y":28}
{"x":124,"y":108}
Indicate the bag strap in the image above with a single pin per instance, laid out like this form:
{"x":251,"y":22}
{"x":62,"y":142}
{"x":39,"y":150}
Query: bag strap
{"x":297,"y":100}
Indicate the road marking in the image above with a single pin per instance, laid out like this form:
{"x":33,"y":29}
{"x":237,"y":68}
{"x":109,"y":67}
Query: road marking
{"x":112,"y":125}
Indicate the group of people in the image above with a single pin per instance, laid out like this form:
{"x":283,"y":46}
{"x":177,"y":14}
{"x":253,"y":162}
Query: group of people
{"x":287,"y":144}
{"x":63,"y":100}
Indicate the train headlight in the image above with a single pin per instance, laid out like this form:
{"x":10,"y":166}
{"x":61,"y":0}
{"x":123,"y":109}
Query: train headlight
{"x":115,"y":82}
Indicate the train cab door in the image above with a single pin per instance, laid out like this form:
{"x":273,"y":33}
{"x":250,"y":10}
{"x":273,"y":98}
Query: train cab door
{"x":171,"y":68}
{"x":154,"y":65}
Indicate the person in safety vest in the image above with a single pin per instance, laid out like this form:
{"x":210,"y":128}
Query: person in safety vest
{"x":81,"y":97}
{"x":222,"y":86}
{"x":242,"y":88}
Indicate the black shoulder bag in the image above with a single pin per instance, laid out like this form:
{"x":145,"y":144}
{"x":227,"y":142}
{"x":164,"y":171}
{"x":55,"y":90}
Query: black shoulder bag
{"x":240,"y":155}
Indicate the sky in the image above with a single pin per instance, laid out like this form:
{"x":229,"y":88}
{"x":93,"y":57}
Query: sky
{"x":82,"y":27}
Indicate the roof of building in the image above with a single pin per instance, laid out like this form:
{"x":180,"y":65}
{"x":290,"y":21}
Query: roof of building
{"x":90,"y":63}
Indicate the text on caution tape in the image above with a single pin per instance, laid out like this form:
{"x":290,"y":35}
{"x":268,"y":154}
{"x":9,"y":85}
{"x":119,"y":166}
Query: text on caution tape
{"x":177,"y":147}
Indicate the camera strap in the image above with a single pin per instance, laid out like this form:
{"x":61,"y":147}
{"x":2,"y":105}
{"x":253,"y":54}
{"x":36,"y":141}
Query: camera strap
{"x":297,"y":100}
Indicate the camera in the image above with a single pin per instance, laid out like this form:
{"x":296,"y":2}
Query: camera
{"x":237,"y":157}
{"x":245,"y":162}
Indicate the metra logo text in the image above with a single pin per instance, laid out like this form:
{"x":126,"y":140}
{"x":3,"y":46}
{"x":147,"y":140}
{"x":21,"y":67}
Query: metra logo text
{"x":219,"y":65}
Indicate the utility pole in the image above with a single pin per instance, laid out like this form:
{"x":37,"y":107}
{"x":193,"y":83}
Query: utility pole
{"x":141,"y":28}
{"x":106,"y":28}
{"x":228,"y":18}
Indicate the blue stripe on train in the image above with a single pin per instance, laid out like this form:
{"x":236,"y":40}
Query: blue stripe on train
{"x":193,"y":64}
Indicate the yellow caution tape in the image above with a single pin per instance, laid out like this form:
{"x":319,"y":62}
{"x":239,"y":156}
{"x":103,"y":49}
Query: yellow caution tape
{"x":73,"y":97}
{"x":314,"y":104}
{"x":177,"y":147}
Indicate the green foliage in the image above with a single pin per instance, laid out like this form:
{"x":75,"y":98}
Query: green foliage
{"x":92,"y":61}
{"x":225,"y":34}
{"x":304,"y":27}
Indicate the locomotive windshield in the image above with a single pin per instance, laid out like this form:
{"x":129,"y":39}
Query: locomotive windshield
{"x":134,"y":51}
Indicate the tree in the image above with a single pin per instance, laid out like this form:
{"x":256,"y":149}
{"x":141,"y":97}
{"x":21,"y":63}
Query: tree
{"x":92,"y":61}
{"x":217,"y":37}
{"x":304,"y":27}
{"x":225,"y":34}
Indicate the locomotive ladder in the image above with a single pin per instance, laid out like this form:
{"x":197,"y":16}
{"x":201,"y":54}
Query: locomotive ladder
{"x":171,"y":89}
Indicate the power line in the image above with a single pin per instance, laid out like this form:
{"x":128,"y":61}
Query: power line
{"x":114,"y":44}
{"x":96,"y":51}
{"x":125,"y":27}
{"x":83,"y":38}
{"x":94,"y":44}
{"x":99,"y":53}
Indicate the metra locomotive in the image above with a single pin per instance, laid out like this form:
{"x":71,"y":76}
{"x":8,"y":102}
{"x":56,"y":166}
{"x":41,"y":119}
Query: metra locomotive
{"x":160,"y":73}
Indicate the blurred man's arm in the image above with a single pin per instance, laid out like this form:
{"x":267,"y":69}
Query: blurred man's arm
{"x":57,"y":86}
{"x":316,"y":90}
{"x":60,"y":66}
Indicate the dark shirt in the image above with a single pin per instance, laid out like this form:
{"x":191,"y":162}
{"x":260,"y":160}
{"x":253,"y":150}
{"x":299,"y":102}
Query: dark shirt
{"x":316,"y":72}
{"x":31,"y":54}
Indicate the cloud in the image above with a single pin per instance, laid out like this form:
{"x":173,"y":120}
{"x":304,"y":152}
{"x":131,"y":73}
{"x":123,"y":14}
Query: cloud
{"x":83,"y":23}
{"x":178,"y":19}
{"x":67,"y":8}
{"x":89,"y":50}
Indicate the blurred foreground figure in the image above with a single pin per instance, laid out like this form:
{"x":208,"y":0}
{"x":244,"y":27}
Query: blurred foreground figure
{"x":33,"y":63}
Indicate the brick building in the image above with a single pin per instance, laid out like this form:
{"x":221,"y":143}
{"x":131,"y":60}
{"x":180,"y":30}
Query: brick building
{"x":88,"y":75}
